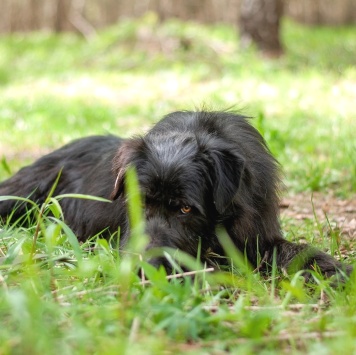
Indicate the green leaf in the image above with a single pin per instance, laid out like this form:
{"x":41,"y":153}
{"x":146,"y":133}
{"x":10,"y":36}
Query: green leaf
{"x":72,"y":239}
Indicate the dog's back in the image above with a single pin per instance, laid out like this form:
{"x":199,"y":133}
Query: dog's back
{"x":83,"y":167}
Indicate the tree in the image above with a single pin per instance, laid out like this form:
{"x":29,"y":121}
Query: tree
{"x":259,"y":24}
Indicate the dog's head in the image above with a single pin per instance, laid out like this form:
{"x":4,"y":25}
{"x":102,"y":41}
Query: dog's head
{"x":188,"y":182}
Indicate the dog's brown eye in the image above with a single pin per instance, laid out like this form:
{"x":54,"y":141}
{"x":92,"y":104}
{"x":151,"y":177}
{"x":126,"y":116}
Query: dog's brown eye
{"x":186,"y":209}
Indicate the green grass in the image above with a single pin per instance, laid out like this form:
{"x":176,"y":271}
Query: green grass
{"x":58,"y":296}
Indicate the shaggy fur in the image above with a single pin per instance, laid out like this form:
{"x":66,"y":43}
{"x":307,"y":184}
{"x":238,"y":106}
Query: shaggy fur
{"x":197,"y":171}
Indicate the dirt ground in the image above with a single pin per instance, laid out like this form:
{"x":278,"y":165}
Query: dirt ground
{"x":326,"y":210}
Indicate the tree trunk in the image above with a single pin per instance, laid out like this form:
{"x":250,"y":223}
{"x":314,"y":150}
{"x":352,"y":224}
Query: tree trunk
{"x":259,"y":24}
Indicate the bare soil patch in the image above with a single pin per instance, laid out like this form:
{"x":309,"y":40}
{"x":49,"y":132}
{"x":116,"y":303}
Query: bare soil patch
{"x":325,"y":209}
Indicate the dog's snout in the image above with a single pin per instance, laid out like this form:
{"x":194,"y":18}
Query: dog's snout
{"x":159,"y":232}
{"x":160,"y":236}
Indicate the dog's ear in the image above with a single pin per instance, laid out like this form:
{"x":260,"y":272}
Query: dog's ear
{"x":229,"y":167}
{"x":123,"y":158}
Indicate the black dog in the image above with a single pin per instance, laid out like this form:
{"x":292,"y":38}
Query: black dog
{"x":196,"y":170}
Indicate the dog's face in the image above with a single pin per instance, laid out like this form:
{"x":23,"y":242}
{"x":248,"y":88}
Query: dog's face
{"x":187,"y":183}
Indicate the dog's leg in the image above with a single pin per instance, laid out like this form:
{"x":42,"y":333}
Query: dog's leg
{"x":293,"y":257}
{"x":263,"y":252}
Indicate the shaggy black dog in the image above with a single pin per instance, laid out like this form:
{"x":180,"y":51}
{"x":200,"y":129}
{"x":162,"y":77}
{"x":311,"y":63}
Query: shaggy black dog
{"x":197,"y":171}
